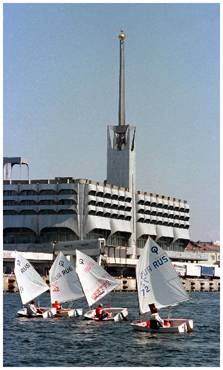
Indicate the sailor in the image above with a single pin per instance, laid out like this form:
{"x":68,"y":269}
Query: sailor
{"x":32,"y":309}
{"x":155,"y":322}
{"x":57,"y":305}
{"x":101,"y":314}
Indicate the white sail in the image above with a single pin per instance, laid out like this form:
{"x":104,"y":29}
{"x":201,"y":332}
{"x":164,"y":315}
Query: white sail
{"x":64,"y":282}
{"x":30,"y":283}
{"x":95,"y":281}
{"x":157,"y":280}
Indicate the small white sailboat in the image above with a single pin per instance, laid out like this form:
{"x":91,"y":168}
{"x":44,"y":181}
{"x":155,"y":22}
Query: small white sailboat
{"x":30,"y":285}
{"x":159,"y":284}
{"x":96,"y":284}
{"x":64,"y":286}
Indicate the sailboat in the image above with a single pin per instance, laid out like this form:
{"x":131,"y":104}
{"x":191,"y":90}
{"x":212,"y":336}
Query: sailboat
{"x":159,"y":284}
{"x":96,"y":284}
{"x":64,"y":286}
{"x":30,"y":285}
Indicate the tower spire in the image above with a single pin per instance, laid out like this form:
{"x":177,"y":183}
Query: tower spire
{"x":121,"y":112}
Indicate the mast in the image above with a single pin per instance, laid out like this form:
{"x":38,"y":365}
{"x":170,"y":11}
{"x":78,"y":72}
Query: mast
{"x":121,"y":111}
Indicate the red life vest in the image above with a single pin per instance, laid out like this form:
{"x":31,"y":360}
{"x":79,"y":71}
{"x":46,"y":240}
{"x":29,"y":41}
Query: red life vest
{"x":57,"y":305}
{"x":98,"y":311}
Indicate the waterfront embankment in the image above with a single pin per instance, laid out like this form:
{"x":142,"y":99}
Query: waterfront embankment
{"x":129,"y":284}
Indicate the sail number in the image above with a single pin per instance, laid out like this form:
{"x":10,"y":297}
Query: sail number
{"x":145,"y":290}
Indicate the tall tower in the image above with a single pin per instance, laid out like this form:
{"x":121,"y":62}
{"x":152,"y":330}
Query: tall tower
{"x":121,"y":145}
{"x":121,"y":138}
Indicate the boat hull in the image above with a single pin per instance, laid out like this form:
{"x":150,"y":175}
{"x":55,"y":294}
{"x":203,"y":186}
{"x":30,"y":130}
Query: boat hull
{"x":23,"y":313}
{"x":175,"y":326}
{"x":115,"y":314}
{"x":51,"y":312}
{"x":68,"y":312}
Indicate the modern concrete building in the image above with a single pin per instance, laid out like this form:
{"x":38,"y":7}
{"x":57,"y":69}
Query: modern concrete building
{"x":38,"y":213}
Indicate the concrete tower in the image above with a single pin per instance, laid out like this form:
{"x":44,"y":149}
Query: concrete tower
{"x":121,"y":145}
{"x":9,"y":163}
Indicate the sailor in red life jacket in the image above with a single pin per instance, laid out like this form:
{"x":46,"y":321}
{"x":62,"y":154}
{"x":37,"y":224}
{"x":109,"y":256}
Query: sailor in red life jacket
{"x":101,"y":314}
{"x":57,"y":305}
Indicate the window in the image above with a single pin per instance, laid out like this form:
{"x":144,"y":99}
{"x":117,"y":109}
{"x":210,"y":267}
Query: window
{"x":47,"y":201}
{"x":28,"y":192}
{"x":28,"y":212}
{"x":9,"y":193}
{"x":9,"y":212}
{"x":19,"y":235}
{"x":27,"y":202}
{"x":66,"y":201}
{"x":57,"y":234}
{"x":47,"y":212}
{"x":67,"y":212}
{"x":47,"y":192}
{"x":67,"y":191}
{"x":9,"y":202}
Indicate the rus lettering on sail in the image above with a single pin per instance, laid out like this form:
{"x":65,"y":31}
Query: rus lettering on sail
{"x":160,"y":261}
{"x":25,"y":268}
{"x":67,"y":270}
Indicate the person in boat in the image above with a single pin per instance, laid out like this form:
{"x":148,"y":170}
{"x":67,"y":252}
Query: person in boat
{"x":101,"y":314}
{"x":32,"y":309}
{"x":155,"y":322}
{"x":57,"y":305}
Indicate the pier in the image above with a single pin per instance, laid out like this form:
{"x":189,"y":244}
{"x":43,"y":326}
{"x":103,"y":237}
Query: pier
{"x":129,"y":284}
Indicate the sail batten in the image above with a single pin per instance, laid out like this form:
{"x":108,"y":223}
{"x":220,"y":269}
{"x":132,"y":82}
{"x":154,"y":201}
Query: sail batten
{"x":95,"y":281}
{"x":64,"y":282}
{"x":30,"y":283}
{"x":157,"y":280}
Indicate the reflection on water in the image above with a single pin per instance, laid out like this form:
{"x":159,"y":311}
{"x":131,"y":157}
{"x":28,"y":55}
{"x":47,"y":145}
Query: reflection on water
{"x":77,"y":342}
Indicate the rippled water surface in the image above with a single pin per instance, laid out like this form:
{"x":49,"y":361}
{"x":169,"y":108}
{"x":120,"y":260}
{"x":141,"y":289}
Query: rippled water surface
{"x":78,"y":342}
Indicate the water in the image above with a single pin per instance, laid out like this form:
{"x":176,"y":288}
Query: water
{"x":77,"y":342}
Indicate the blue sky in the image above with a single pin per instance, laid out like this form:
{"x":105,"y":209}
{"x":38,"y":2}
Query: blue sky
{"x":61,"y":65}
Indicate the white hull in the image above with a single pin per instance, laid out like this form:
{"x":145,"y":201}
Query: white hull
{"x":68,"y":312}
{"x":23,"y":313}
{"x":115,"y":314}
{"x":176,"y":326}
{"x":51,"y":312}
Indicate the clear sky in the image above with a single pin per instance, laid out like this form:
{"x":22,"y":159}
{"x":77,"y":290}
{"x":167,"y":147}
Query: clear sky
{"x":61,"y":65}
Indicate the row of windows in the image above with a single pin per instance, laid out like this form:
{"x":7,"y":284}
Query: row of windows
{"x":40,"y":212}
{"x":117,"y":238}
{"x":168,"y":218}
{"x":115,"y":196}
{"x":22,"y":235}
{"x":158,"y":212}
{"x":166,"y":223}
{"x":165,"y":243}
{"x":164,"y":206}
{"x":108,"y":215}
{"x":61,"y":234}
{"x":30,"y":202}
{"x":41,"y":192}
{"x":120,"y":207}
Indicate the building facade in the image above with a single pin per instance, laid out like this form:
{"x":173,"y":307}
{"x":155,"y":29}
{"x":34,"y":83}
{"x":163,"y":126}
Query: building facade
{"x":41,"y":212}
{"x":66,"y":209}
